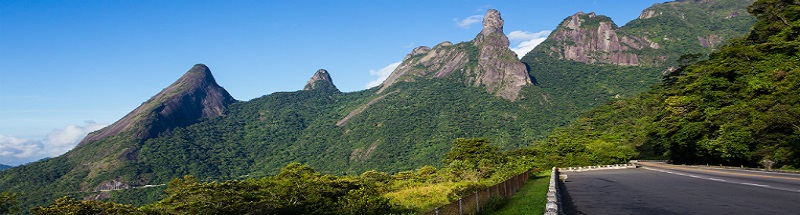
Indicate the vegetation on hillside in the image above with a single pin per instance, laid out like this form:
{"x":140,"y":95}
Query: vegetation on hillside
{"x":407,"y":129}
{"x":471,"y":164}
{"x":741,"y":106}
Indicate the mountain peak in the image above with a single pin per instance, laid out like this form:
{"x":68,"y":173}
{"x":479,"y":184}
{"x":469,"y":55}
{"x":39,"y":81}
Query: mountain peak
{"x":498,"y":69}
{"x":198,"y":74}
{"x":492,"y":22}
{"x":194,"y":96}
{"x":501,"y":71}
{"x":318,"y":80}
{"x":591,"y":38}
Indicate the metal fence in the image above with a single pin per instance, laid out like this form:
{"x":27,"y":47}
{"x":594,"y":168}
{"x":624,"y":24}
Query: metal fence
{"x":474,"y":203}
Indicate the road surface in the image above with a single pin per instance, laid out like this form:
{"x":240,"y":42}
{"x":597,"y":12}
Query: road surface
{"x":668,"y":189}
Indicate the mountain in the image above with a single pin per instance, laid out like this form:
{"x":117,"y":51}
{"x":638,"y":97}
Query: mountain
{"x":3,"y":166}
{"x":320,"y":80}
{"x":104,"y":158}
{"x":486,"y":62}
{"x":475,"y":88}
{"x":589,"y":38}
{"x":738,"y":107}
{"x":588,"y":60}
{"x":660,"y":35}
{"x":192,"y":97}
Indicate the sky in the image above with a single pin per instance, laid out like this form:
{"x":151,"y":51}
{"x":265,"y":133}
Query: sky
{"x":71,"y":67}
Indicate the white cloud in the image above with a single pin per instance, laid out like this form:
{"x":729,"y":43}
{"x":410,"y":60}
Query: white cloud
{"x":60,"y":141}
{"x":15,"y":151}
{"x":526,"y":41}
{"x":382,"y":74}
{"x":466,"y":22}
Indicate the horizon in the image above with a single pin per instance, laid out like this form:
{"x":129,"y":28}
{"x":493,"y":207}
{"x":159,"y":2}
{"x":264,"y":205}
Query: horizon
{"x":69,"y":68}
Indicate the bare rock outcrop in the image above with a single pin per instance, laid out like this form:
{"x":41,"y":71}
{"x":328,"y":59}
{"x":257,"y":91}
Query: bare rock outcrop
{"x":112,"y":185}
{"x":320,"y":79}
{"x":194,"y":96}
{"x":710,"y":40}
{"x":649,"y":13}
{"x":589,"y":38}
{"x":498,"y":68}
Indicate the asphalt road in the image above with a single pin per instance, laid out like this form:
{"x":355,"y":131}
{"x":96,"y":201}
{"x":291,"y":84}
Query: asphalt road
{"x":667,"y":189}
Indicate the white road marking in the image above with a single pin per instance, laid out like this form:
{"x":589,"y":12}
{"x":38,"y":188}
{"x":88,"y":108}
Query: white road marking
{"x":720,"y":180}
{"x":757,"y":185}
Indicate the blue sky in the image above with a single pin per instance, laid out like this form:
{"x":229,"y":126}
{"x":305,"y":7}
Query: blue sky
{"x":71,"y":67}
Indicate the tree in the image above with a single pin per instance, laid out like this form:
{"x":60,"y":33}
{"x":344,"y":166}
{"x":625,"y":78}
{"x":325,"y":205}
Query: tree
{"x":68,"y":205}
{"x":473,"y":151}
{"x":8,"y":203}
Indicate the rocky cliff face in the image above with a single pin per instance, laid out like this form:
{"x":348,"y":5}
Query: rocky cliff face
{"x":423,"y":61}
{"x":319,"y":80}
{"x":499,"y":69}
{"x":486,"y":61}
{"x":196,"y":95}
{"x":653,"y":39}
{"x":589,"y":38}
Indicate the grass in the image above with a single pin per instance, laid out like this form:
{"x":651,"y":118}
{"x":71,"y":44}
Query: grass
{"x":530,"y":199}
{"x":422,"y":198}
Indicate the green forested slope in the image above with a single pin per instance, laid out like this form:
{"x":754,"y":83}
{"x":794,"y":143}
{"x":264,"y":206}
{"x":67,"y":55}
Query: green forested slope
{"x":409,"y":125}
{"x":739,"y":107}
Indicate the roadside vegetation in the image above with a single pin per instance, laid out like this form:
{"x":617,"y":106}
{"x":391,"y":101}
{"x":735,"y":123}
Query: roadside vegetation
{"x":531,"y":199}
{"x":471,"y":164}
{"x":739,"y":107}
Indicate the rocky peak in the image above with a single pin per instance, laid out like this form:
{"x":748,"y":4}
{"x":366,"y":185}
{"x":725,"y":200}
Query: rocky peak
{"x":649,"y":13}
{"x":591,"y":38}
{"x":321,"y":77}
{"x":194,"y":96}
{"x":492,"y":23}
{"x":498,"y":68}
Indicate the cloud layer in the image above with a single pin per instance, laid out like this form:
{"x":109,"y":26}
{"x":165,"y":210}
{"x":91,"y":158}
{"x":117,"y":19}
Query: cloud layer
{"x":382,"y":74}
{"x":16,"y":151}
{"x":467,"y":22}
{"x":526,"y":41}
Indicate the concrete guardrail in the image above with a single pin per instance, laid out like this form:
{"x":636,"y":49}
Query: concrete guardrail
{"x":600,"y":167}
{"x":553,"y":205}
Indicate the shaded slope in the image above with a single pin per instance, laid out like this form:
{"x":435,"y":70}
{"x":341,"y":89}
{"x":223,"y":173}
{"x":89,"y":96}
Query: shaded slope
{"x":103,"y":159}
{"x":194,"y":96}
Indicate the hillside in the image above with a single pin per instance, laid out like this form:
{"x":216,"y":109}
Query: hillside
{"x":589,"y":60}
{"x":106,"y":158}
{"x":475,"y":88}
{"x":738,"y":107}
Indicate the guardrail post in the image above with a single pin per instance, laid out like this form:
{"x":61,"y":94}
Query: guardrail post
{"x":477,"y":202}
{"x":460,"y":207}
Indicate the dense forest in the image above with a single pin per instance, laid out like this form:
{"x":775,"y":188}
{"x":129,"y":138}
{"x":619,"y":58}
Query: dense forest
{"x":471,"y":164}
{"x":741,"y":106}
{"x":402,"y":135}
